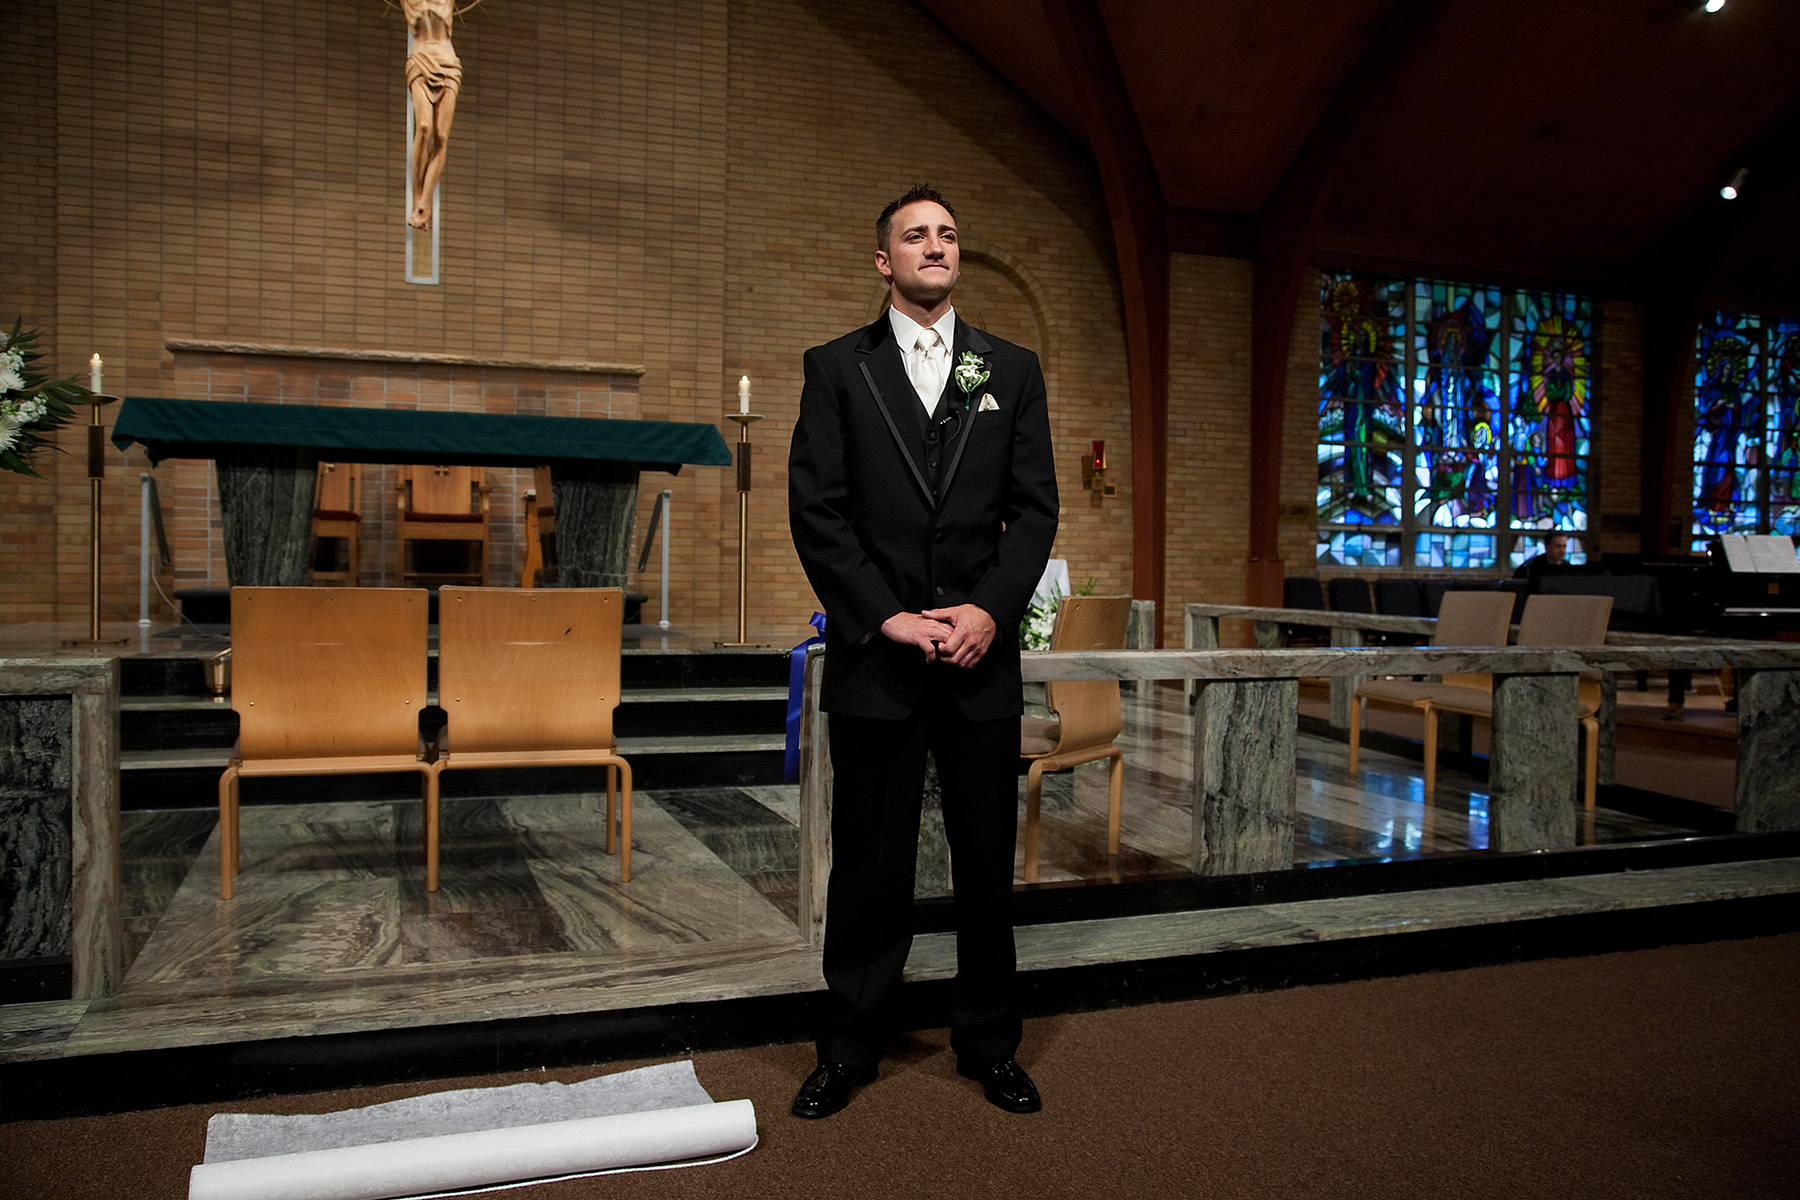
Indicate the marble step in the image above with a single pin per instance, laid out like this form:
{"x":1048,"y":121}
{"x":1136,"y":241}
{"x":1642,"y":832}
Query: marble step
{"x":640,"y":670}
{"x":175,"y":722}
{"x":188,"y":776}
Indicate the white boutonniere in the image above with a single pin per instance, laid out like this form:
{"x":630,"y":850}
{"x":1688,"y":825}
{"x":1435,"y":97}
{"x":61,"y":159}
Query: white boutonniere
{"x":988,"y":404}
{"x":971,"y":373}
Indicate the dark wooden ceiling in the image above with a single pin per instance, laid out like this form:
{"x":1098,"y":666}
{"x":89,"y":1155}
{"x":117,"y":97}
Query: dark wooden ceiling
{"x":1563,"y":139}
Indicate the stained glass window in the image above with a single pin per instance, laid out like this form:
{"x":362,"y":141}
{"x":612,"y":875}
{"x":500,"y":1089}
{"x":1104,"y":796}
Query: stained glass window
{"x":1746,"y":445}
{"x":1450,"y":416}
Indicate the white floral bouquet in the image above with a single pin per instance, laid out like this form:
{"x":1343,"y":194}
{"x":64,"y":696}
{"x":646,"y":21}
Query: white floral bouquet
{"x":31,"y":407}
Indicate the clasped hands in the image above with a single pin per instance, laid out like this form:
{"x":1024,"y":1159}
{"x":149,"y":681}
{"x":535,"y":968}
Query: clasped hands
{"x":959,"y":636}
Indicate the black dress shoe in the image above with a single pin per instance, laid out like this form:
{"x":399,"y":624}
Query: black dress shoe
{"x":827,"y":1089}
{"x":1006,"y":1084}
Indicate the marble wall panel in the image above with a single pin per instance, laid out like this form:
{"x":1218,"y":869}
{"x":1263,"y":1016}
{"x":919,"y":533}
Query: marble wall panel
{"x":1244,"y":751}
{"x":36,"y":859}
{"x":1535,"y":771}
{"x":266,"y":500}
{"x":596,"y":506}
{"x":1768,"y":775}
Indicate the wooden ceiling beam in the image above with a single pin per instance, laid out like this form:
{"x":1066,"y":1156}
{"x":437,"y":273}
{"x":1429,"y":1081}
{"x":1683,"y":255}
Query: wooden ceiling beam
{"x":1287,"y":230}
{"x":1138,"y":211}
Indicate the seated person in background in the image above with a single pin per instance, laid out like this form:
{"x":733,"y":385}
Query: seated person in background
{"x":1556,"y":550}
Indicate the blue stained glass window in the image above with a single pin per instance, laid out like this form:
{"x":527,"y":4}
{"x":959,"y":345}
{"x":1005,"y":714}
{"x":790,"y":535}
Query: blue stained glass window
{"x":1447,"y":408}
{"x":1746,"y":440}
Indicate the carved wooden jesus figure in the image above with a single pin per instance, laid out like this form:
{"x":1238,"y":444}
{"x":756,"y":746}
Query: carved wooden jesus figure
{"x":433,"y":77}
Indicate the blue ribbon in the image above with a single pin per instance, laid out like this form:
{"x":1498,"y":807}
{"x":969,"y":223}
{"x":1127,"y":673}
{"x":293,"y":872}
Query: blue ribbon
{"x":796,"y":682}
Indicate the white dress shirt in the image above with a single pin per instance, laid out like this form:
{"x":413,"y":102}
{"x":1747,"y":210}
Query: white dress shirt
{"x":928,"y":372}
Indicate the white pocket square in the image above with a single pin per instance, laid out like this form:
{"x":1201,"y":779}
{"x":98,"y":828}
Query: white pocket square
{"x":988,"y":404}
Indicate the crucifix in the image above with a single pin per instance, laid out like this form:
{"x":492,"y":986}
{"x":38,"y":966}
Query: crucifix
{"x":433,"y":78}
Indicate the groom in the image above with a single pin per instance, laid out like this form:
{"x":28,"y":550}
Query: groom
{"x":922,"y":498}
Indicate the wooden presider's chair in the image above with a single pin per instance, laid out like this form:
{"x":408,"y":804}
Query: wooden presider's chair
{"x":326,"y":681}
{"x":444,"y":504}
{"x":1547,"y":621}
{"x":1088,"y":715}
{"x":337,"y":513}
{"x":540,"y":528}
{"x":530,"y":678}
{"x":1464,"y":619}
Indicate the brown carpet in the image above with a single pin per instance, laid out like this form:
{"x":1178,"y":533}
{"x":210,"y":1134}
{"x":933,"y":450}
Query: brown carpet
{"x":1671,"y":1072}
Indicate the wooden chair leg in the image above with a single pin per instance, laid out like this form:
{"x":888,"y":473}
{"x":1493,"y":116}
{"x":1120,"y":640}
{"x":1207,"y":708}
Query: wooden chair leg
{"x":1358,"y":704}
{"x":228,"y":851}
{"x":1115,"y":801}
{"x":612,"y":814}
{"x":1431,"y":734}
{"x":431,"y":826}
{"x":1590,"y":729}
{"x":1034,"y":792}
{"x":624,"y":821}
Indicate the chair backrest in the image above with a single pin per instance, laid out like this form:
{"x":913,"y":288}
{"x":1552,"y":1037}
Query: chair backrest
{"x":1565,"y":620}
{"x":1302,"y":591}
{"x":1088,"y":710}
{"x":529,"y":669}
{"x":443,"y":491}
{"x":1473,"y":619}
{"x":338,"y":490}
{"x":1350,"y":595}
{"x":545,"y":486}
{"x":327,"y":672}
{"x":1569,"y":621}
{"x":1399,"y":597}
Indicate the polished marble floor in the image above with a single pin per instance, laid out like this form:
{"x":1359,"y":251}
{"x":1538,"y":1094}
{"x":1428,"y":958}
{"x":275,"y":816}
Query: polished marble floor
{"x":330,"y":928}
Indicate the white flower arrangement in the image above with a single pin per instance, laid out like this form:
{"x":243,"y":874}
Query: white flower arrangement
{"x":31,"y":407}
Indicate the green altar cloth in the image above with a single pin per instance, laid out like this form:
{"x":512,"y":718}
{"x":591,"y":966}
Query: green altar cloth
{"x":221,"y":428}
{"x":266,"y":455}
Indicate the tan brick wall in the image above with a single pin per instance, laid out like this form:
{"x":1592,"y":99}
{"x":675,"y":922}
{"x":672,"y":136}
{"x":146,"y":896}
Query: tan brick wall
{"x":28,"y":277}
{"x":690,"y":186}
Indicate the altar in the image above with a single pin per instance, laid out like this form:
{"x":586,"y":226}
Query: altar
{"x":267,"y":457}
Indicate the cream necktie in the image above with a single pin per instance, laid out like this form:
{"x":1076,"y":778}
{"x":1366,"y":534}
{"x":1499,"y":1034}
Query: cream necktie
{"x":927,"y":378}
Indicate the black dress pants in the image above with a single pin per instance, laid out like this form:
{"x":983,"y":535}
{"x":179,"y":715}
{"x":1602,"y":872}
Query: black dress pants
{"x":878,"y":777}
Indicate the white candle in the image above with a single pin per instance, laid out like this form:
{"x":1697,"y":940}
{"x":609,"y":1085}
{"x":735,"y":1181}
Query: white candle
{"x":94,"y":374}
{"x":744,"y":396}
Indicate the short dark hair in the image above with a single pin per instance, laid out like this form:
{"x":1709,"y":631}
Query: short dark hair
{"x":884,"y":224}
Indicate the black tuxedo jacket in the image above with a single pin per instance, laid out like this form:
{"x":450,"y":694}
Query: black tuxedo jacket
{"x":876,"y":538}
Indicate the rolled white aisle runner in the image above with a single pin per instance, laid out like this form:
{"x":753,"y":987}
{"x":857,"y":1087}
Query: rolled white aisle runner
{"x":420,"y":1166}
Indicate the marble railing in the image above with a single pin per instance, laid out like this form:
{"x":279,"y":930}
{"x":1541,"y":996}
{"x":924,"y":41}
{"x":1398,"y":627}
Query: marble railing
{"x":59,"y":818}
{"x":1246,"y":718}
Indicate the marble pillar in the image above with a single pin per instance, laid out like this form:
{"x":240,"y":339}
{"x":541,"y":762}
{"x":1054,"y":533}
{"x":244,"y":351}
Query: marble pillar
{"x":1343,"y":687}
{"x":1535,"y":771}
{"x":1244,"y":755}
{"x":1768,"y":771}
{"x":1606,"y":773}
{"x":1141,"y":628}
{"x":1202,"y":634}
{"x":266,"y":502}
{"x":815,"y":801}
{"x":596,"y":507}
{"x":931,"y":874}
{"x":59,"y":817}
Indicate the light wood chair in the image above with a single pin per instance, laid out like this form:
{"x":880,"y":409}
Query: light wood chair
{"x":1088,"y":716}
{"x":444,"y":504}
{"x":540,"y":528}
{"x":530,"y":678}
{"x":1546,"y":621}
{"x":326,"y":681}
{"x":337,"y":513}
{"x":1464,"y":619}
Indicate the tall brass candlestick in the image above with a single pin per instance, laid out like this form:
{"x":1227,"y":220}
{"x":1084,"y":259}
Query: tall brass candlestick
{"x":744,"y":420}
{"x":96,"y":475}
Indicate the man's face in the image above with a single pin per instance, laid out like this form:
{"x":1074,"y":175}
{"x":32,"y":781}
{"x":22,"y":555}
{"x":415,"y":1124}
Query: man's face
{"x":1556,"y":547}
{"x":922,"y":260}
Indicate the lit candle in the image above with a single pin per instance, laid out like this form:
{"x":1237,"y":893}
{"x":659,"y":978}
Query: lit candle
{"x":94,"y":374}
{"x":744,"y":396}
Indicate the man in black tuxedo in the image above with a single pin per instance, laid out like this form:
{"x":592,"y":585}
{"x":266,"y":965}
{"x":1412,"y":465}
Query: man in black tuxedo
{"x":922,"y":497}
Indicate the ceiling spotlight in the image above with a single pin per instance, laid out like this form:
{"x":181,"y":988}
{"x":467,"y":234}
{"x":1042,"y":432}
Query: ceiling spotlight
{"x":1712,"y":6}
{"x":1732,"y":190}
